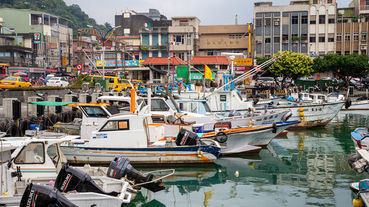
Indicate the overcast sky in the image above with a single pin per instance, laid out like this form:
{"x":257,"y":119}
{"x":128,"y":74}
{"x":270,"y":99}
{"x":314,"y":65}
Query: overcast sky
{"x":210,"y":12}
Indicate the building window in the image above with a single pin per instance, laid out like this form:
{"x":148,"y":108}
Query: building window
{"x":276,"y":39}
{"x":179,"y":39}
{"x":347,"y":36}
{"x":315,"y":1}
{"x":235,"y":36}
{"x":258,"y":22}
{"x":363,"y":36}
{"x":347,"y":52}
{"x":312,"y":39}
{"x":321,"y":39}
{"x":285,"y":37}
{"x":312,"y":22}
{"x":188,"y":39}
{"x":356,"y":36}
{"x":321,"y":19}
{"x":329,"y":1}
{"x":331,"y":21}
{"x":339,"y":37}
{"x":181,"y":55}
{"x":267,"y":40}
{"x":331,"y":39}
{"x":267,"y":21}
{"x":295,"y":19}
{"x":304,"y":19}
{"x":277,"y":22}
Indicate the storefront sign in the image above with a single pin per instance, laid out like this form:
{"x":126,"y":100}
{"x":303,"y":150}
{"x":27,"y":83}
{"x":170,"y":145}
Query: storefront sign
{"x":37,"y":38}
{"x":112,"y":63}
{"x":243,"y":61}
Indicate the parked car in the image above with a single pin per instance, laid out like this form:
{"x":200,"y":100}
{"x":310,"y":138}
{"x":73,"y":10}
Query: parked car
{"x":356,"y":83}
{"x":57,"y":81}
{"x":14,"y":82}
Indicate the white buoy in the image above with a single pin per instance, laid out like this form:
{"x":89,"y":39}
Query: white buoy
{"x":236,"y":173}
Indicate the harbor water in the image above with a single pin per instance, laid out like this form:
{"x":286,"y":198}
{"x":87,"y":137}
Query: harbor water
{"x":308,"y":169}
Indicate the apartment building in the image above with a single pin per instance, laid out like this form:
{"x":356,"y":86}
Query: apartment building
{"x":55,"y":48}
{"x":215,"y":39}
{"x":306,"y":26}
{"x":322,"y":27}
{"x":280,"y":28}
{"x":183,"y":35}
{"x":151,"y":28}
{"x":352,"y":31}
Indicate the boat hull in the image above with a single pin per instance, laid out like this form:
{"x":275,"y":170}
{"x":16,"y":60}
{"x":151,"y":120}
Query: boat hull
{"x":143,"y":156}
{"x":359,"y":105}
{"x":256,"y":136}
{"x":313,"y":115}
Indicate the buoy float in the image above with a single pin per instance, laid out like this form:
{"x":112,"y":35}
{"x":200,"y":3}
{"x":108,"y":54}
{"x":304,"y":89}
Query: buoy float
{"x":358,"y":202}
{"x":236,"y":174}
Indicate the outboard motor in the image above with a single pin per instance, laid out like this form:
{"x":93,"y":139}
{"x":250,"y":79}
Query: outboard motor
{"x":121,"y":167}
{"x":348,"y":103}
{"x":358,"y":163}
{"x":42,"y":195}
{"x":70,"y":179}
{"x":186,"y":137}
{"x":234,"y":113}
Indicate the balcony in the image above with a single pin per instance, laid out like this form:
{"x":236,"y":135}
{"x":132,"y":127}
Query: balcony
{"x":160,"y":30}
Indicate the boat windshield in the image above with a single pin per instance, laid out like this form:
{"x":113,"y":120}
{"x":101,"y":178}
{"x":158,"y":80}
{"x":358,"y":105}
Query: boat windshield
{"x":94,"y":111}
{"x":159,"y":105}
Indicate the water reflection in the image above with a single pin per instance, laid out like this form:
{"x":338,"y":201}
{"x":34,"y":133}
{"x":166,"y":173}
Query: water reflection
{"x":307,"y":169}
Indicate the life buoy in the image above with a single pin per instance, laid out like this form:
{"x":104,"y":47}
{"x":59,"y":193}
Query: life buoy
{"x":221,"y":137}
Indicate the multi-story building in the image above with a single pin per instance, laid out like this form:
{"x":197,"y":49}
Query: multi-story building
{"x":306,"y":27}
{"x":351,"y":32}
{"x":151,"y":28}
{"x":280,"y":28}
{"x":322,"y":27}
{"x":55,"y":48}
{"x":361,"y":8}
{"x":183,"y":35}
{"x":215,"y":39}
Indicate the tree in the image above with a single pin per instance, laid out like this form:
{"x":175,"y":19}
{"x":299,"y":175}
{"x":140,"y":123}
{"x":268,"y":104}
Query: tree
{"x":291,"y":65}
{"x":343,"y":67}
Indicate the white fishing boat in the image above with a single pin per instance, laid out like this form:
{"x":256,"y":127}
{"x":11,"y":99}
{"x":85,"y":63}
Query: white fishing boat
{"x":128,"y":135}
{"x":358,"y":105}
{"x":38,"y":159}
{"x":254,"y":135}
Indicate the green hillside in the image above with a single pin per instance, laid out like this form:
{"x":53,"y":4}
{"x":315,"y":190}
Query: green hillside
{"x":77,"y":18}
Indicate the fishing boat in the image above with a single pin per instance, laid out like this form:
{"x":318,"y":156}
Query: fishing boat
{"x":249,"y":135}
{"x":39,"y":160}
{"x":129,"y":136}
{"x":360,"y":137}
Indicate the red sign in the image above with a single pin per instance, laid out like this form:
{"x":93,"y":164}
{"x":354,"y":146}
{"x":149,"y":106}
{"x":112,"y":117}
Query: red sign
{"x":79,"y":67}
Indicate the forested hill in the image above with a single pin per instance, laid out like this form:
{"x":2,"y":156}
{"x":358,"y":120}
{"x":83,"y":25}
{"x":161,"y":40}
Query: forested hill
{"x":73,"y":13}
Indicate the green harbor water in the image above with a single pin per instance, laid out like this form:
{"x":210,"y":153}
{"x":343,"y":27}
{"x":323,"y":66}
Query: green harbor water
{"x":307,"y":169}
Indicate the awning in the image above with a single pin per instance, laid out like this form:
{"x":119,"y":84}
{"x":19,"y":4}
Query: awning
{"x":50,"y":103}
{"x":196,"y":76}
{"x":162,"y":72}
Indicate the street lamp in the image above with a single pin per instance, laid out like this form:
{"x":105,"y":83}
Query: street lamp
{"x":103,"y":39}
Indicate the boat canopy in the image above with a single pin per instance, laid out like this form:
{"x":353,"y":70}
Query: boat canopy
{"x":50,"y":103}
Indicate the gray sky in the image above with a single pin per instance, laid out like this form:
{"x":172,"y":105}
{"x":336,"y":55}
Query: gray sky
{"x":210,"y":12}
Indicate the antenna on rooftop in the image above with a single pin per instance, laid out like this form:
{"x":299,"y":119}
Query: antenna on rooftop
{"x":236,"y":19}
